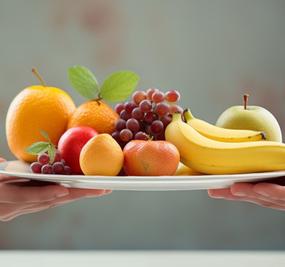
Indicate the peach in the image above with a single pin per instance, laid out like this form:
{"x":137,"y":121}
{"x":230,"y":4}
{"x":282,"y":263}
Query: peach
{"x":150,"y":158}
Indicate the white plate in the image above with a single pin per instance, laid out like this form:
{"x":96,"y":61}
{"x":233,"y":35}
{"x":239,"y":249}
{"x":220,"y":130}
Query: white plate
{"x":138,"y":183}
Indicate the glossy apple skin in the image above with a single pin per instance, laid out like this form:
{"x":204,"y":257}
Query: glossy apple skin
{"x":150,"y":158}
{"x":71,"y":144}
{"x":252,"y":118}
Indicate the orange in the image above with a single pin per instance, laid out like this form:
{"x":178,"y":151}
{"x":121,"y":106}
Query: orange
{"x":101,"y":155}
{"x":34,"y":109}
{"x":95,"y":114}
{"x":150,"y":158}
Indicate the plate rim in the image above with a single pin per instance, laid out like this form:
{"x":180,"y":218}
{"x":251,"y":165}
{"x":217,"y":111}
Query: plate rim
{"x":139,"y":179}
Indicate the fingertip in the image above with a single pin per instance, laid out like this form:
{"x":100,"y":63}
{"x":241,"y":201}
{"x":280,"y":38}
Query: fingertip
{"x":57,"y":190}
{"x":240,"y":189}
{"x":211,"y":192}
{"x":216,"y":193}
{"x":87,"y":192}
{"x":62,"y":192}
{"x":95,"y":193}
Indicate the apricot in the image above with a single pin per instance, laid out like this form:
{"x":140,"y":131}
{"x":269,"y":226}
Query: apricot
{"x":101,"y":155}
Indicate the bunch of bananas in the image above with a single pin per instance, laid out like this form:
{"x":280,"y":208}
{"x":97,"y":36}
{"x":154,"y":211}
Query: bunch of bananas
{"x":209,"y":149}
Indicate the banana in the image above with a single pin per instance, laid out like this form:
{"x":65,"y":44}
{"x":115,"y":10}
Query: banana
{"x":221,"y":134}
{"x":184,"y":170}
{"x":214,"y":157}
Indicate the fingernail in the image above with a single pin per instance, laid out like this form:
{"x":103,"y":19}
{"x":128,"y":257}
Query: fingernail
{"x":239,"y":194}
{"x":216,"y":197}
{"x":263,"y":193}
{"x":95,"y":194}
{"x":62,"y":193}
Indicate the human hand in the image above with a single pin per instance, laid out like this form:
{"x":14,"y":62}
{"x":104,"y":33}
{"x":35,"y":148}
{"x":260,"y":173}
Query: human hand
{"x":20,"y":196}
{"x":268,"y":195}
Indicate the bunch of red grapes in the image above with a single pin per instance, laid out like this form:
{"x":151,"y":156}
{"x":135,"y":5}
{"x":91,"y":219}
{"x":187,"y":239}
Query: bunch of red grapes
{"x":146,"y":115}
{"x":44,"y":166}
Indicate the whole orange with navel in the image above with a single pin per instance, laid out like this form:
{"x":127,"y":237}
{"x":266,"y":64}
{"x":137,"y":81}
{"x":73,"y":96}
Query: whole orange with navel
{"x":37,"y":108}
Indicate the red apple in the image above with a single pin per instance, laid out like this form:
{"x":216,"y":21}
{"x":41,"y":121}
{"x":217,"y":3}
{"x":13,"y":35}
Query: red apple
{"x":71,"y":144}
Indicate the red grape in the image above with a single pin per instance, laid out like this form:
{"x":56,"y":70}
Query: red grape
{"x":119,"y":107}
{"x":57,"y":157}
{"x":150,"y":117}
{"x":166,"y":119}
{"x":158,"y":97}
{"x":67,"y":170}
{"x":142,"y":125}
{"x":130,"y":106}
{"x":133,"y":125}
{"x":161,"y":136}
{"x":156,"y":127}
{"x":120,"y":124}
{"x":36,"y":167}
{"x":138,"y":96}
{"x":137,"y":114}
{"x":116,"y":136}
{"x":161,"y":109}
{"x":126,"y":135}
{"x":145,"y":105}
{"x":43,"y":158}
{"x":148,"y":113}
{"x":58,"y":168}
{"x":141,"y":136}
{"x":47,"y":169}
{"x":148,"y":129}
{"x":172,"y":96}
{"x":175,"y":108}
{"x":125,"y":115}
{"x":150,"y":92}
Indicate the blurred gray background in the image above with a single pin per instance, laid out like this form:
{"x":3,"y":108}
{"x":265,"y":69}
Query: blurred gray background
{"x":210,"y":50}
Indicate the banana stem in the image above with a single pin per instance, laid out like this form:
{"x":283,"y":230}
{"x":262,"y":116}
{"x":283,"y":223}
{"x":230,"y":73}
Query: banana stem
{"x":245,"y":100}
{"x":187,"y":115}
{"x":40,"y":78}
{"x":176,"y":116}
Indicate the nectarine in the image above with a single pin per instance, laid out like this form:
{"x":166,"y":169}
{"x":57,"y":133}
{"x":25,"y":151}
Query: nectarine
{"x":71,"y":144}
{"x":150,"y":158}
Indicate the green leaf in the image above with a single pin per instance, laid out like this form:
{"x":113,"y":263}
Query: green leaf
{"x":119,"y":85}
{"x":51,"y":152}
{"x":45,"y":135}
{"x":38,"y":148}
{"x":83,"y":81}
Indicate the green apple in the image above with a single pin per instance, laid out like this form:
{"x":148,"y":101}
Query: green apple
{"x":251,"y":118}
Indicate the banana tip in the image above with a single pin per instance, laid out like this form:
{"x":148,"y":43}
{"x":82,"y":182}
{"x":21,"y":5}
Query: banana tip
{"x":263,"y":134}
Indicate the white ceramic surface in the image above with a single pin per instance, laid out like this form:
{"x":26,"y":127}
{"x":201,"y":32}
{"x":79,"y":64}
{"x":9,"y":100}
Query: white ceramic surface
{"x":138,"y":183}
{"x":139,"y":258}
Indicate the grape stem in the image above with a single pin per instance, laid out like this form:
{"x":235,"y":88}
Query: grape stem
{"x":150,"y":137}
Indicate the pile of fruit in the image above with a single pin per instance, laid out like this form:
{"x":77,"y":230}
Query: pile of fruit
{"x":149,"y":135}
